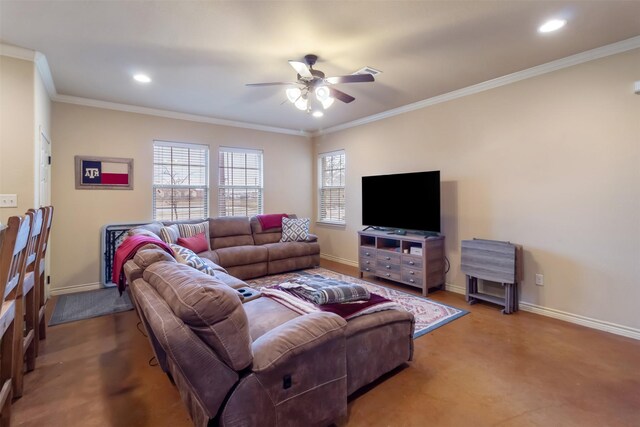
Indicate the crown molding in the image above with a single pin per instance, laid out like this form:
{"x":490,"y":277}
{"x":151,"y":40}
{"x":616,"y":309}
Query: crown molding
{"x":67,"y":99}
{"x":569,"y":61}
{"x":17,"y":52}
{"x":37,"y":58}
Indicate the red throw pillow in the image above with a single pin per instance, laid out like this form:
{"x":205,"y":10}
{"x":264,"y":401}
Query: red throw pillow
{"x":197,"y":243}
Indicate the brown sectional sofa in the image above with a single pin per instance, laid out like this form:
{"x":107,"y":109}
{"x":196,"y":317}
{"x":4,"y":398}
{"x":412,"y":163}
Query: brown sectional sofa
{"x":258,"y":363}
{"x":246,"y":251}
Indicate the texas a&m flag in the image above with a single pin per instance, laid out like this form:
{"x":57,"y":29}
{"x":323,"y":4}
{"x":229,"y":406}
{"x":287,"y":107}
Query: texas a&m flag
{"x":104,"y":173}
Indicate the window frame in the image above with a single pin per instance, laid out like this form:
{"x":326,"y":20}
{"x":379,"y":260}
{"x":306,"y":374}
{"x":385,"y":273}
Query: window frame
{"x":321,"y":187}
{"x":259,"y":188}
{"x":206,"y":187}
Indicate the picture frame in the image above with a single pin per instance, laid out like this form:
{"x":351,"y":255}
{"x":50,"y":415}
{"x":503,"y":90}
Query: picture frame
{"x":103,"y":173}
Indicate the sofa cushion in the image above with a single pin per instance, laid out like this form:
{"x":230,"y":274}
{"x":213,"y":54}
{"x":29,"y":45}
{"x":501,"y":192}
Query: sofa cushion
{"x":150,"y":254}
{"x":210,"y":308}
{"x":142,"y":232}
{"x":264,"y":314}
{"x":191,"y":230}
{"x":153,"y":227}
{"x":197,"y":243}
{"x":230,"y":231}
{"x":188,"y":257}
{"x":241,"y":255}
{"x":295,"y":230}
{"x":170,"y":234}
{"x":282,"y":250}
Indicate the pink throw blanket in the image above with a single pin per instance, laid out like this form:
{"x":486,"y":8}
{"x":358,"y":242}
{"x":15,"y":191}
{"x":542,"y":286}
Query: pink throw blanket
{"x":126,"y":251}
{"x":271,"y":220}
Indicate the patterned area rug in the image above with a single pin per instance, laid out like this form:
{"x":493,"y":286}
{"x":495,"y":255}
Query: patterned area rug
{"x":429,"y":314}
{"x":85,"y":305}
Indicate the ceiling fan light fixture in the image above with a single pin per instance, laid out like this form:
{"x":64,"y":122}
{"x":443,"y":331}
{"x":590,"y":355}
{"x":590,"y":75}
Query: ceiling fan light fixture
{"x":293,"y":93}
{"x":322,"y":93}
{"x":327,"y":103}
{"x":301,"y":103}
{"x":317,"y":114}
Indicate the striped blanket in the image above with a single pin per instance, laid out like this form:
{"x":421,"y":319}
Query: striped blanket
{"x":321,"y":293}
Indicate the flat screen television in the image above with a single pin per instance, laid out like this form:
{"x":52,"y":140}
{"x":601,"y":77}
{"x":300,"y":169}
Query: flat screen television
{"x":404,"y":201}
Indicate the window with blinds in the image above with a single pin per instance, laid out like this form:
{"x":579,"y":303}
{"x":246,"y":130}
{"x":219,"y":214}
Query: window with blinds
{"x":240,"y":191}
{"x":332,"y":168}
{"x":180,"y":181}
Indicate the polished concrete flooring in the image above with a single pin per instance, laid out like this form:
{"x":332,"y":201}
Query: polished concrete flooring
{"x":484,"y":369}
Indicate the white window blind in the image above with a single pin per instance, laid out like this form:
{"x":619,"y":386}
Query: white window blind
{"x":180,"y":181}
{"x":240,"y":190}
{"x":332,"y":168}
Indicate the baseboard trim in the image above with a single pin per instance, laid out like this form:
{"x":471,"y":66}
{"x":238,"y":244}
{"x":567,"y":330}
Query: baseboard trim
{"x":455,"y":288}
{"x":589,"y":322}
{"x":76,"y":288}
{"x":340,"y":260}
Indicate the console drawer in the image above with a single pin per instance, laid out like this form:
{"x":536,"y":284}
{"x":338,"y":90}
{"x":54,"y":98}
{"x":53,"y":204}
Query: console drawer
{"x":412,"y":280}
{"x":389,"y":257}
{"x":411,"y":272}
{"x":367,"y":263}
{"x":387,"y":266}
{"x":386,"y":274}
{"x":412,"y":261}
{"x":367,"y":252}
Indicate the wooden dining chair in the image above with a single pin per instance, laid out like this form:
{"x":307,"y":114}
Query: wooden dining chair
{"x":41,"y":329}
{"x":27,"y":309}
{"x":13,"y":245}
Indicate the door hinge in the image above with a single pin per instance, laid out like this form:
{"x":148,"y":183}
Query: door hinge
{"x":48,"y":280}
{"x":49,"y":159}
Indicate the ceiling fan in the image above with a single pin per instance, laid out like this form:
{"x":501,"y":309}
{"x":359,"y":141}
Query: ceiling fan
{"x":311,"y":81}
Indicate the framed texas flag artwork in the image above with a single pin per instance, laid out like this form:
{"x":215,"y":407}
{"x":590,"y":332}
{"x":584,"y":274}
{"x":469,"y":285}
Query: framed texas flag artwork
{"x":106,"y":173}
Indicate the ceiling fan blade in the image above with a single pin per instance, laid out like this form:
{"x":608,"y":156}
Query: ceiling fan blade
{"x":273,"y":84}
{"x":351,"y":78}
{"x":341,"y":95}
{"x":301,"y":68}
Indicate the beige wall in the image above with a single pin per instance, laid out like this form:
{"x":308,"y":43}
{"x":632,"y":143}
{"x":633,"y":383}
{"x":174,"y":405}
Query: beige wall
{"x":552,"y":163}
{"x":80,"y":214}
{"x":17,"y":121}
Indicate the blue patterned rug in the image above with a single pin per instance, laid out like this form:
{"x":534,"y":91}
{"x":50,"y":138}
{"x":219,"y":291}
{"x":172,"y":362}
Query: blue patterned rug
{"x":428,"y":314}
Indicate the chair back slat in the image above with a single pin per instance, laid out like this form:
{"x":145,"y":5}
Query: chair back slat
{"x":33,"y":246}
{"x":13,"y":254}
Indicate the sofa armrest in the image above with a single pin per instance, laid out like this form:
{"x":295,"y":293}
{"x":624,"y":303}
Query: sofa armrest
{"x":312,"y":238}
{"x":132,"y":271}
{"x":295,"y":337}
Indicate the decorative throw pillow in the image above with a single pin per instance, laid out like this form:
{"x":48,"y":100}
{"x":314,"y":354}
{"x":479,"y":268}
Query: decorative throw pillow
{"x":295,"y":230}
{"x":187,"y":256}
{"x":169,"y":234}
{"x":197,"y":243}
{"x":190,"y":230}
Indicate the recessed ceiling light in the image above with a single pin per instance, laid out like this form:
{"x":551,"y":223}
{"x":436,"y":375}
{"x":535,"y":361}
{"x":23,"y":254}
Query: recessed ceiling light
{"x":142,"y":78}
{"x":317,"y":114}
{"x":551,"y":25}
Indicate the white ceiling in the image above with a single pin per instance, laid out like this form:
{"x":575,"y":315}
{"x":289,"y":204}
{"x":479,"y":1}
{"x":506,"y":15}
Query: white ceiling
{"x":201,"y":54}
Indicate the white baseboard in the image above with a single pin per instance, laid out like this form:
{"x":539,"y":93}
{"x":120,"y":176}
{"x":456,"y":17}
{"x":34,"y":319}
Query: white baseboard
{"x":76,"y":288}
{"x":340,"y":260}
{"x":455,"y":288}
{"x":600,"y":325}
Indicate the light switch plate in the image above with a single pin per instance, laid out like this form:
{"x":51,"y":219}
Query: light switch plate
{"x":8,"y":200}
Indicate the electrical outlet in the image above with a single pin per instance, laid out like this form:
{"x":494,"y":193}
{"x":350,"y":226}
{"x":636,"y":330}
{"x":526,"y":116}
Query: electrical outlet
{"x":8,"y":200}
{"x":539,"y":279}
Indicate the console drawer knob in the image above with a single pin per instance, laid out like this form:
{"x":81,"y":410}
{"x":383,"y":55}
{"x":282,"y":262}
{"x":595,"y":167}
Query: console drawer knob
{"x":388,"y":267}
{"x":387,"y":258}
{"x":412,"y":263}
{"x":388,"y":275}
{"x":412,"y":281}
{"x":412,"y":273}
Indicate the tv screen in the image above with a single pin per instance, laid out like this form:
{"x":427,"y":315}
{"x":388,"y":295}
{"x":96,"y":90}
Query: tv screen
{"x":407,"y":201}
